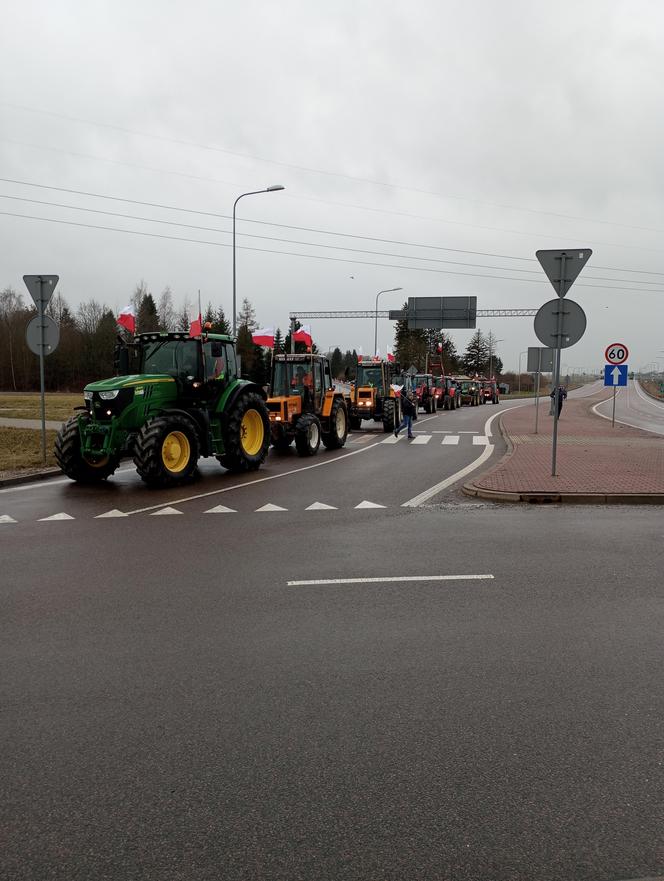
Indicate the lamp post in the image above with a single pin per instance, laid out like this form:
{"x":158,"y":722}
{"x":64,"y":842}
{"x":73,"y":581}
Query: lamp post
{"x":386,"y":291}
{"x":491,"y":345}
{"x":520,"y":354}
{"x":271,"y":189}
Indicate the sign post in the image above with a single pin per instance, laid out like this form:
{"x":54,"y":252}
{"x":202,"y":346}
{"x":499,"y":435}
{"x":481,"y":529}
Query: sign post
{"x":562,"y":269}
{"x":539,"y":360}
{"x":42,"y":288}
{"x":615,"y":372}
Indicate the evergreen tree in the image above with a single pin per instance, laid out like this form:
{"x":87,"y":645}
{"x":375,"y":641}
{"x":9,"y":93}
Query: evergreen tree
{"x":147,"y":319}
{"x":209,"y":316}
{"x":410,"y":346}
{"x":245,"y":350}
{"x":183,"y":322}
{"x":476,"y":357}
{"x":449,"y":355}
{"x":337,"y":363}
{"x":220,"y":323}
{"x":247,"y":316}
{"x":278,"y":342}
{"x":258,"y":373}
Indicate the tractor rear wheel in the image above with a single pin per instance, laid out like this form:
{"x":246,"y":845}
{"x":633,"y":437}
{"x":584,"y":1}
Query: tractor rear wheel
{"x":247,"y":437}
{"x":389,"y":415}
{"x":307,"y":435}
{"x":166,"y":451}
{"x":335,"y":438}
{"x":355,"y":423}
{"x":69,"y":457}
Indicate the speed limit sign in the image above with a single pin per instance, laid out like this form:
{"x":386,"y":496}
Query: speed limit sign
{"x":616,"y":353}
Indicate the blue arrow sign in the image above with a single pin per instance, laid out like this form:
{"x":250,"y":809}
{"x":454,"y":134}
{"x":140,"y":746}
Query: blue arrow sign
{"x":615,"y":375}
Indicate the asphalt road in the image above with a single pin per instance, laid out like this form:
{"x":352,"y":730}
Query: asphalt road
{"x":634,"y":407}
{"x":174,"y":708}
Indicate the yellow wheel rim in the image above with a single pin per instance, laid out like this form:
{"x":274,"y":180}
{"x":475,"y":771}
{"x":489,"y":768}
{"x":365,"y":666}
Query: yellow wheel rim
{"x":252,"y":432}
{"x":175,"y":451}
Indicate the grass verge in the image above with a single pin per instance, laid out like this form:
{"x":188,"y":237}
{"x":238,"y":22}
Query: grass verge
{"x":28,"y":406}
{"x":20,"y":450}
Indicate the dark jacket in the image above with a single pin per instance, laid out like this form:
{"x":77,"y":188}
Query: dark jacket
{"x":407,"y":406}
{"x":562,"y":392}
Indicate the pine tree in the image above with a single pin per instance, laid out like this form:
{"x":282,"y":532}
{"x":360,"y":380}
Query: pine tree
{"x":183,"y":322}
{"x":410,"y":346}
{"x":337,"y":363}
{"x":220,"y":323}
{"x":476,"y":357}
{"x":147,"y":319}
{"x":209,"y":317}
{"x":247,"y":316}
{"x":278,"y":342}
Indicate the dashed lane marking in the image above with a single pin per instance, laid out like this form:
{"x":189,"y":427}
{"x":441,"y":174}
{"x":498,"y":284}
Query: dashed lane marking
{"x":451,"y":440}
{"x":388,"y":579}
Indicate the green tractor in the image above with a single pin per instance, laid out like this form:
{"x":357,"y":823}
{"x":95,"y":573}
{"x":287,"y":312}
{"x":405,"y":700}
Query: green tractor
{"x":183,"y":400}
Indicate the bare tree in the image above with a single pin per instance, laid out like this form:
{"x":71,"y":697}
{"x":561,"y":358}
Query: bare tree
{"x":166,"y":310}
{"x":10,"y":304}
{"x":89,"y":315}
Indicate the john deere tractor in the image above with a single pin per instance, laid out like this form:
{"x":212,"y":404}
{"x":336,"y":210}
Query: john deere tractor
{"x":183,"y":400}
{"x":373,"y":397}
{"x":304,"y":406}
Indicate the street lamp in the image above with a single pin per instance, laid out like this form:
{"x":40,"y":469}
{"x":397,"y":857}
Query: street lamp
{"x":520,"y":354}
{"x":491,"y":345}
{"x":271,"y":189}
{"x":387,"y":291}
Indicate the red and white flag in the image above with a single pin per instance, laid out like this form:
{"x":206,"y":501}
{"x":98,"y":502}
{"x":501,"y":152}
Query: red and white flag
{"x":303,"y":335}
{"x":390,"y":355}
{"x":264,"y":337}
{"x":360,"y":355}
{"x":440,"y":347}
{"x":127,"y":319}
{"x":196,"y":326}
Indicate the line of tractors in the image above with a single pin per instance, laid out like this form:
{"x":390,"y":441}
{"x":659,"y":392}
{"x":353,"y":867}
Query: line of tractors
{"x":176,"y":399}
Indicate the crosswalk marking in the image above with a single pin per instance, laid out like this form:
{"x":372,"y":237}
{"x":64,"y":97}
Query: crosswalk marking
{"x":481,"y":441}
{"x":220,"y":509}
{"x":451,"y":440}
{"x":391,"y":440}
{"x":61,"y":516}
{"x":270,"y":508}
{"x":422,"y":439}
{"x":167,"y":510}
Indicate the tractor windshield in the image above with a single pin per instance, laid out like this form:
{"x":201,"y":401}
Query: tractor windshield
{"x":173,"y":357}
{"x":372,"y":376}
{"x":291,"y":378}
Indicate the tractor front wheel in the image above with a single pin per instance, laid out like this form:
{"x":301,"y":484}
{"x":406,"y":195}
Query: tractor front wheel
{"x":247,"y":438}
{"x":355,"y":423}
{"x":335,"y":438}
{"x":70,"y":458}
{"x":389,"y":415}
{"x":307,"y":435}
{"x":166,"y":451}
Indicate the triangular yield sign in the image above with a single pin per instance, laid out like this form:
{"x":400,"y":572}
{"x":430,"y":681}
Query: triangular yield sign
{"x":5,"y":518}
{"x":270,"y":508}
{"x":321,"y":506}
{"x":366,"y":504}
{"x":112,"y":513}
{"x":41,"y":288}
{"x":61,"y":516}
{"x":221,"y":509}
{"x":166,"y":510}
{"x":551,"y":262}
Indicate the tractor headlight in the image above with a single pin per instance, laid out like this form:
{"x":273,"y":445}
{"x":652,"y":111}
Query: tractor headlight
{"x":109,"y":396}
{"x":87,"y":396}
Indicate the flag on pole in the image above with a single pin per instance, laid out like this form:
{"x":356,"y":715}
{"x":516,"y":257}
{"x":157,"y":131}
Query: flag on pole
{"x":390,"y":355}
{"x":196,"y":326}
{"x":303,"y":335}
{"x":127,"y":319}
{"x":264,"y":337}
{"x":360,"y":355}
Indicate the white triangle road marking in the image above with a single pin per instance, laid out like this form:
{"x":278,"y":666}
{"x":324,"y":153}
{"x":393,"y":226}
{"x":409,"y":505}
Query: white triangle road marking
{"x":221,"y":509}
{"x":61,"y":516}
{"x":167,"y":510}
{"x":366,"y":504}
{"x":320,"y":506}
{"x":5,"y":518}
{"x":422,"y":439}
{"x":113,"y":513}
{"x":451,"y":439}
{"x":270,"y":508}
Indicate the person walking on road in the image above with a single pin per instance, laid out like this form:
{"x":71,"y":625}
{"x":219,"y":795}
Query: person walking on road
{"x":408,"y":410}
{"x":562,"y":394}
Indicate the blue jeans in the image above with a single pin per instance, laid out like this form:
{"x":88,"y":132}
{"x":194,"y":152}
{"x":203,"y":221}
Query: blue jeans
{"x":407,"y":423}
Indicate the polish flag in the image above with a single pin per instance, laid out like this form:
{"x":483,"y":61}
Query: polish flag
{"x":127,"y":319}
{"x":196,"y":326}
{"x":440,"y":347}
{"x":390,"y":355}
{"x":303,"y":335}
{"x":359,"y":355}
{"x":264,"y":337}
{"x":377,"y":355}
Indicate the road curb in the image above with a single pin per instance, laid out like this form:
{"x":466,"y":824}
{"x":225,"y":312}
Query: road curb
{"x":547,"y":498}
{"x":28,"y":478}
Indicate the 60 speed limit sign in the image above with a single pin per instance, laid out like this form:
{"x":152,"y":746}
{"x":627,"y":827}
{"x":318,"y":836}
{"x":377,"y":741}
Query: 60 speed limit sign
{"x":616,"y":353}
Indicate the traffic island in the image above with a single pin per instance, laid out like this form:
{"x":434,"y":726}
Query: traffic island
{"x":596,"y":464}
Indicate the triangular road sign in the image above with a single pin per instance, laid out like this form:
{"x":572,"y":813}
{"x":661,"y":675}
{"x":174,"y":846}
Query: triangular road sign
{"x":551,"y":261}
{"x":41,"y":288}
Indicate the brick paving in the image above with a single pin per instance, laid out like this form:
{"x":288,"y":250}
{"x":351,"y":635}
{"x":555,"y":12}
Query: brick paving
{"x":592,"y":457}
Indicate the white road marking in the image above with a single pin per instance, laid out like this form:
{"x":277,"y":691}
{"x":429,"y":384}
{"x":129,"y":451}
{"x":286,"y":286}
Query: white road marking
{"x":5,"y":518}
{"x":472,"y":432}
{"x":389,"y":579}
{"x":451,"y":440}
{"x":61,"y":516}
{"x":657,"y":405}
{"x":320,"y":506}
{"x":422,"y":439}
{"x":452,"y":479}
{"x":44,"y":484}
{"x":112,"y":513}
{"x":167,"y":510}
{"x":480,"y":440}
{"x":269,"y":508}
{"x":392,"y":439}
{"x":221,"y":509}
{"x":363,"y":505}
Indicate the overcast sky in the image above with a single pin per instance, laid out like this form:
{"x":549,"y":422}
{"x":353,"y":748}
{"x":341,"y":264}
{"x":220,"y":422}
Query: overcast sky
{"x":489,"y":127}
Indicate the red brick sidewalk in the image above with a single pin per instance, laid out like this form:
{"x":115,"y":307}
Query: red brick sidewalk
{"x":593,"y":459}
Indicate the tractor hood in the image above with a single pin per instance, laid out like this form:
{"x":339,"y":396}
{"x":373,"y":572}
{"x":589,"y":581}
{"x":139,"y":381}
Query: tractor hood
{"x":120,"y":382}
